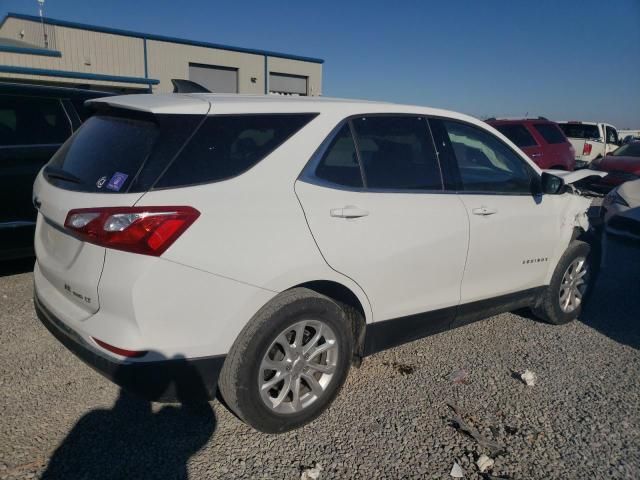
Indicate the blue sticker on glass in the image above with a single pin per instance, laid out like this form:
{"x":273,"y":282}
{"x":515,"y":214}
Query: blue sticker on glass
{"x":117,"y":181}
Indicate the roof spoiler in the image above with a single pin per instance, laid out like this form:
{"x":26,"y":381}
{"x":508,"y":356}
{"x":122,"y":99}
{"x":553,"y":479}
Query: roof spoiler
{"x":187,"y":86}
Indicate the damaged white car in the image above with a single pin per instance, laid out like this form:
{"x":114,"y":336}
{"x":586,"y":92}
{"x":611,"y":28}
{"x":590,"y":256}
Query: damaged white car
{"x":263,"y":245}
{"x":621,"y":210}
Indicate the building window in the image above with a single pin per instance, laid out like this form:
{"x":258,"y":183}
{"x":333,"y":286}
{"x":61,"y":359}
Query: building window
{"x":286,"y":84}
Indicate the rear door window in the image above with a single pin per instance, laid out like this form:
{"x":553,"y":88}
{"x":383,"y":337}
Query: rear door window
{"x":228,"y":145}
{"x":397,"y":153}
{"x":550,"y":132}
{"x":32,"y":121}
{"x":518,"y":134}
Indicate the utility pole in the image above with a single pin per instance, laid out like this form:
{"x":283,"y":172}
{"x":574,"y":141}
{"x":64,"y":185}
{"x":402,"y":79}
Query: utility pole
{"x":44,"y":30}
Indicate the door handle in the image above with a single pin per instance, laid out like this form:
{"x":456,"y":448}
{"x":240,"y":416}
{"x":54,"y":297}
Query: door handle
{"x":348,"y":212}
{"x":484,"y":211}
{"x":536,"y":155}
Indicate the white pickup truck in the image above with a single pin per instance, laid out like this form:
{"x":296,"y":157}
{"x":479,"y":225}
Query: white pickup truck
{"x":590,"y":140}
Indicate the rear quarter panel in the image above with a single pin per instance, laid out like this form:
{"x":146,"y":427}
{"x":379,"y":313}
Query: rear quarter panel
{"x":252,"y":228}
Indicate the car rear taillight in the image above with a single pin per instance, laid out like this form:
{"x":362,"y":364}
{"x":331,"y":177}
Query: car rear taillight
{"x":145,"y":230}
{"x":586,"y":150}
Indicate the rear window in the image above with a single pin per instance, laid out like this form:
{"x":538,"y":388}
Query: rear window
{"x":518,"y":134}
{"x":105,"y":148}
{"x":579,"y":130}
{"x":551,"y":133}
{"x":124,"y":151}
{"x":227,"y":145}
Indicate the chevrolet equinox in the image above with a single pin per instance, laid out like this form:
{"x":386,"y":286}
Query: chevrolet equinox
{"x":262,"y":245}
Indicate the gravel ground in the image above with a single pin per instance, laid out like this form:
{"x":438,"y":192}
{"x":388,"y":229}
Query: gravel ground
{"x":581,"y":420}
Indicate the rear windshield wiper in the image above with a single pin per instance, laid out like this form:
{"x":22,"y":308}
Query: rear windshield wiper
{"x":55,"y":172}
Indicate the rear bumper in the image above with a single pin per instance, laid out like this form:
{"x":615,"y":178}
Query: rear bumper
{"x":170,"y":380}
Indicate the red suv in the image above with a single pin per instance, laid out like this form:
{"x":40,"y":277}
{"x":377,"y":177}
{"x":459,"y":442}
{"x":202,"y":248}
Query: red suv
{"x":541,"y":139}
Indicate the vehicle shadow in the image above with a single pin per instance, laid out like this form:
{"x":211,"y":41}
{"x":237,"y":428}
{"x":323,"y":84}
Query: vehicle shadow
{"x":614,"y":306}
{"x":13,"y":267}
{"x":130,"y":440}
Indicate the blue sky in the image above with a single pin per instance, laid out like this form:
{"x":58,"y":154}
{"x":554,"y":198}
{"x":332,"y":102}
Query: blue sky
{"x":569,"y":59}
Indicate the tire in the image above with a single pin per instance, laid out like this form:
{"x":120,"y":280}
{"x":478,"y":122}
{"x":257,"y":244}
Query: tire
{"x":261,"y":345}
{"x":557,"y":305}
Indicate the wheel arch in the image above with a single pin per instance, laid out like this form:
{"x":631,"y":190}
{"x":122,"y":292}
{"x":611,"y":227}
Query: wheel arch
{"x":578,"y":234}
{"x":357,"y":312}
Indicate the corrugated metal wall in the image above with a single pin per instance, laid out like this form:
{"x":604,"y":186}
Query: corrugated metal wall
{"x":109,"y":54}
{"x":171,"y":60}
{"x":82,"y":51}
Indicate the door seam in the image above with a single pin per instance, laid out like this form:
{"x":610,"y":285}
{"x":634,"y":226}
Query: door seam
{"x":466,"y":260}
{"x":306,"y":220}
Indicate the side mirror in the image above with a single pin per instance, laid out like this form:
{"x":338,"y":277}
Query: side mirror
{"x":550,"y":184}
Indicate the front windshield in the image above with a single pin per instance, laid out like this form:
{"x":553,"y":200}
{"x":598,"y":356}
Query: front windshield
{"x":628,"y":150}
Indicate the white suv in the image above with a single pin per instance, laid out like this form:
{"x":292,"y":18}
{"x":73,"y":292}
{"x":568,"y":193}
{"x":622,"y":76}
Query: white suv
{"x":590,"y":140}
{"x":262,"y":245}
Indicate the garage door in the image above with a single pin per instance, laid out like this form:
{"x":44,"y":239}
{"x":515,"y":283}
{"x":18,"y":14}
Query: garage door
{"x":288,"y":84}
{"x":214,"y":78}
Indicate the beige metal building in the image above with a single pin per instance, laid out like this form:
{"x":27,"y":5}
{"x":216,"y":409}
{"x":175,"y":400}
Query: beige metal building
{"x":58,"y":52}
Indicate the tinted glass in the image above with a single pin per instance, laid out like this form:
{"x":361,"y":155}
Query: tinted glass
{"x":227,"y":145}
{"x":579,"y":130}
{"x":485,"y":163}
{"x":32,"y":121}
{"x":83,"y":112}
{"x":397,"y":153}
{"x":339,"y":165}
{"x":105,"y":148}
{"x":518,"y":134}
{"x":612,"y":135}
{"x":551,"y":133}
{"x":629,"y":150}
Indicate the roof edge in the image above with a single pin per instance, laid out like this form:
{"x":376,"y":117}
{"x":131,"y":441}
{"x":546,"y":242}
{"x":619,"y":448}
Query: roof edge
{"x":160,"y":38}
{"x":79,"y":75}
{"x":30,"y":51}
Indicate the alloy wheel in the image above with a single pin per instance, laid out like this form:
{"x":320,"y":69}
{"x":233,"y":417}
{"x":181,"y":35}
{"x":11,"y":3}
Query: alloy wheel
{"x":298,"y":366}
{"x":574,"y":285}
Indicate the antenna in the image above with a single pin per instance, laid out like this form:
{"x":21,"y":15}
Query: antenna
{"x":44,"y":31}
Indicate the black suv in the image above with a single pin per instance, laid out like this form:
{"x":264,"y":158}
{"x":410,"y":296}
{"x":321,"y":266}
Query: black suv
{"x":34,"y":121}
